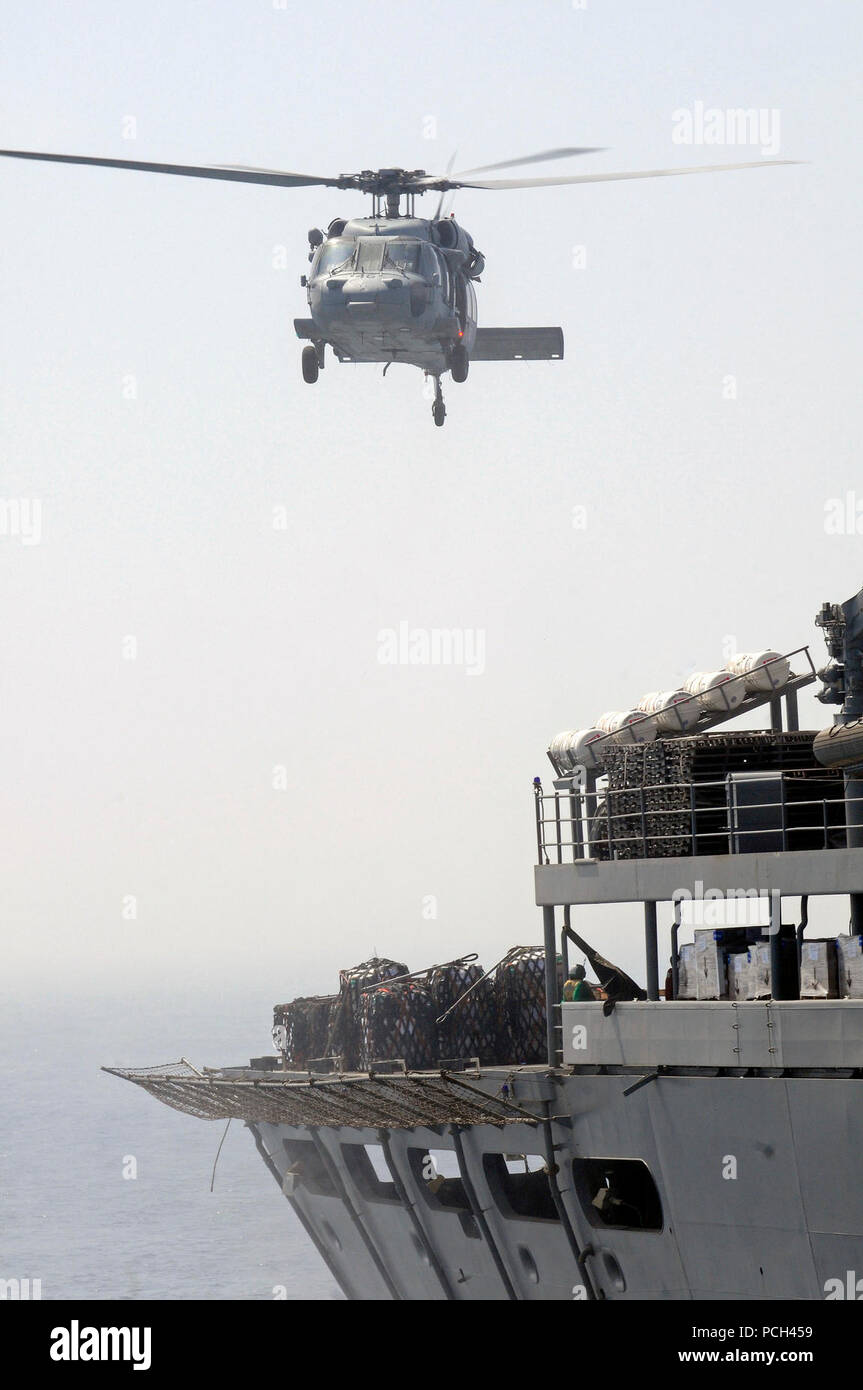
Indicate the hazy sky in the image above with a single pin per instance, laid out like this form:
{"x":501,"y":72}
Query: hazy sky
{"x":152,"y":405}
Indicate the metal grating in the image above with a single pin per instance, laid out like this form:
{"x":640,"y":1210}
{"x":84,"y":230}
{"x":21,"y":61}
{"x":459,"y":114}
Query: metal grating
{"x":392,"y":1102}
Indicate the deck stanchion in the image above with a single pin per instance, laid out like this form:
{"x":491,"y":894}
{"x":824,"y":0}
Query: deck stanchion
{"x":854,"y":819}
{"x":589,"y":811}
{"x":776,"y":989}
{"x":651,"y":950}
{"x":552,"y":1003}
{"x":675,"y":963}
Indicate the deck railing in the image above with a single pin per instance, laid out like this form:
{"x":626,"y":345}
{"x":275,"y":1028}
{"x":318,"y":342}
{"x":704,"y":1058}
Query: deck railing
{"x":740,"y":813}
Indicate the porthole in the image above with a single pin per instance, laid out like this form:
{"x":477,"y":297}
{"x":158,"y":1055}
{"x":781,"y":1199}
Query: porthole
{"x":613,"y":1272}
{"x":528,"y":1264}
{"x":420,"y":1248}
{"x":331,"y":1235}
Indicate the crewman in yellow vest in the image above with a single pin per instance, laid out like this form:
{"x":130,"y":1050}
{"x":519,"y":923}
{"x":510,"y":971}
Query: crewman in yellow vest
{"x":576,"y":988}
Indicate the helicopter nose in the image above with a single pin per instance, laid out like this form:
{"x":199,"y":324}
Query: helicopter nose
{"x":378,"y":295}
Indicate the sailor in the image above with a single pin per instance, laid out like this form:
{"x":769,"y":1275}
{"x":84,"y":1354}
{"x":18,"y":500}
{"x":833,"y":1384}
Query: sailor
{"x":575,"y":987}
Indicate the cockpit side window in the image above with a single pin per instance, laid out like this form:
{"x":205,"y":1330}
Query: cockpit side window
{"x":431,"y":265}
{"x":333,"y":254}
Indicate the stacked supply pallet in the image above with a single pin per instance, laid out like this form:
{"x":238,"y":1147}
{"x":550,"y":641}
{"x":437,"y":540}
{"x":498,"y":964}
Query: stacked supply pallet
{"x":468,"y":1001}
{"x":670,"y":798}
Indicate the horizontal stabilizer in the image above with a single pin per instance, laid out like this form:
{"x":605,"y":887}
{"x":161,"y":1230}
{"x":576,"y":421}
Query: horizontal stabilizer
{"x":517,"y":344}
{"x":305,"y":328}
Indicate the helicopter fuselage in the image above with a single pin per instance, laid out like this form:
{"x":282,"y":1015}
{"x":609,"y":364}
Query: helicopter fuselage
{"x":393,"y":289}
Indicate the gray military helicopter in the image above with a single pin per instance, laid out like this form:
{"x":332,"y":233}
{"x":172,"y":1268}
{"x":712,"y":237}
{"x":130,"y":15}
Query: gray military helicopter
{"x":395,"y":287}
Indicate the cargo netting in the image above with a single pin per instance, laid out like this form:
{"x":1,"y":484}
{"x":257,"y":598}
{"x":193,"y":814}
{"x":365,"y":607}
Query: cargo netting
{"x":347,"y":1040}
{"x":302,"y":1029}
{"x":466,"y":1010}
{"x":450,"y":1012}
{"x":398,"y":1020}
{"x":520,"y":994}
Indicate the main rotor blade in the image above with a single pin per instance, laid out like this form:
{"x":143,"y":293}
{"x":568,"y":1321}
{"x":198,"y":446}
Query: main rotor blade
{"x":534,"y":159}
{"x":439,"y":208}
{"x":610,"y":178}
{"x":233,"y":173}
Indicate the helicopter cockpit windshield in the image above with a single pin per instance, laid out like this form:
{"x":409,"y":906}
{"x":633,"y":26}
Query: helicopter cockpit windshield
{"x":370,"y":255}
{"x":403,"y":255}
{"x":334,"y":253}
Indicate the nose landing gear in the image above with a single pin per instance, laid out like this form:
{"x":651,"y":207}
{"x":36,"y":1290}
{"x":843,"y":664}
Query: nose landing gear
{"x":438,"y":407}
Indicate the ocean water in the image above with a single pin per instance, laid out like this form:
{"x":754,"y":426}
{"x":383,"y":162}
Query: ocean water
{"x":68,"y":1215}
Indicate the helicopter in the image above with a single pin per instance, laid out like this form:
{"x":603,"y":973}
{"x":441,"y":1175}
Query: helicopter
{"x":394,"y":287}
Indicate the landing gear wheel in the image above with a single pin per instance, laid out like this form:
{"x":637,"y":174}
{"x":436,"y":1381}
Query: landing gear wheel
{"x":459,"y":362}
{"x":310,"y":365}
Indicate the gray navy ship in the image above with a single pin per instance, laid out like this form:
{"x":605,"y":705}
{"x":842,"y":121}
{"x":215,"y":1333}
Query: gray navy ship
{"x":449,"y":1134}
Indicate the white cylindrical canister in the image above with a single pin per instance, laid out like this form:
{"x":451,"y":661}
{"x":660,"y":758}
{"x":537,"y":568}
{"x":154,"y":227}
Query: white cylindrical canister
{"x":574,"y":749}
{"x":675,"y":710}
{"x":717,"y":691}
{"x":608,"y":722}
{"x":628,"y":726}
{"x":759,"y":675}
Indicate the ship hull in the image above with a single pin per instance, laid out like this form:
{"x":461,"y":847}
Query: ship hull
{"x":757,"y":1181}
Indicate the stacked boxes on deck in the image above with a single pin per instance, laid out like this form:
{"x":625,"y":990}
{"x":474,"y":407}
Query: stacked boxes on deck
{"x":738,"y":967}
{"x":749,"y":972}
{"x":711,"y":978}
{"x":725,"y":963}
{"x":849,"y":950}
{"x":686,"y":973}
{"x":819,"y":970}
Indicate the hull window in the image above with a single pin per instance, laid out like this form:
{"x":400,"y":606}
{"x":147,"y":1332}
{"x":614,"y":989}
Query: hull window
{"x":309,"y":1168}
{"x":520,"y":1189}
{"x":618,"y":1192}
{"x":430,"y":1169}
{"x":368,"y":1167}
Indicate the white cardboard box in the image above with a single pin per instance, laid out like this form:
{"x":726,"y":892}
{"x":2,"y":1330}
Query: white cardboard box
{"x":849,"y":951}
{"x":819,"y":974}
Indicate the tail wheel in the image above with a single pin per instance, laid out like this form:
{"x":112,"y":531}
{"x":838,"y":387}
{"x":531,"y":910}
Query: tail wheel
{"x":311,"y":366}
{"x":459,"y":362}
{"x":439,"y":412}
